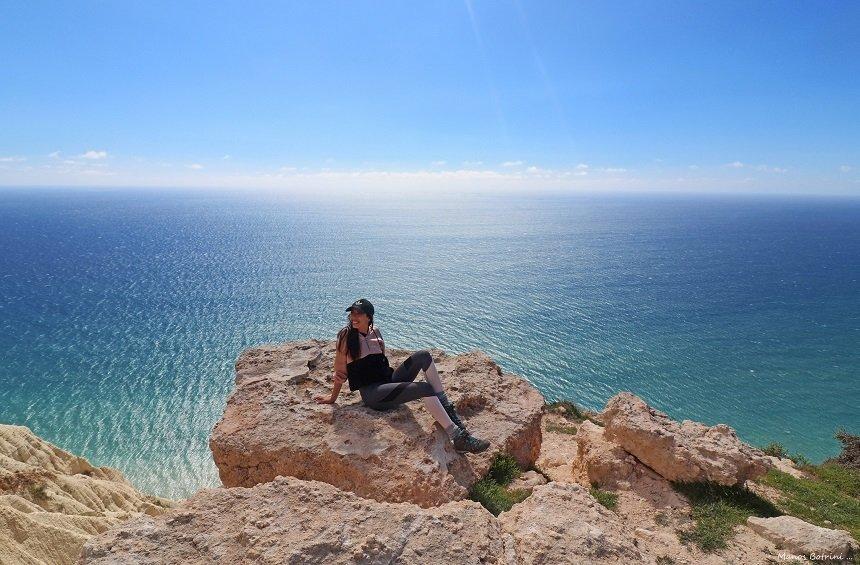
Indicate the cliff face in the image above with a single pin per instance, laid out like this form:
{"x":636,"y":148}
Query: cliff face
{"x":52,"y":501}
{"x":344,"y":484}
{"x":272,"y":426}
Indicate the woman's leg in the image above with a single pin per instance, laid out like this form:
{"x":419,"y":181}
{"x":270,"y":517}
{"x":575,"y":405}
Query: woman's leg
{"x":389,"y":395}
{"x":418,"y":361}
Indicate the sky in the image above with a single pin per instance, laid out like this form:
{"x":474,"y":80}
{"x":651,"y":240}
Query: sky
{"x":465,"y":95}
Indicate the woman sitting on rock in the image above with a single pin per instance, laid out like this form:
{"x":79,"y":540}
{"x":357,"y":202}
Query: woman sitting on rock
{"x":360,"y":359}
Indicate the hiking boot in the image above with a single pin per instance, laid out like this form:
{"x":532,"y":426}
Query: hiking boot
{"x":452,"y":413}
{"x":464,"y":442}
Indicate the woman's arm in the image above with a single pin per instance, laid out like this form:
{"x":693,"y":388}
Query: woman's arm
{"x":339,"y":377}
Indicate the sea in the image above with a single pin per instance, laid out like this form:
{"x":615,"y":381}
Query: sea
{"x":122,"y":311}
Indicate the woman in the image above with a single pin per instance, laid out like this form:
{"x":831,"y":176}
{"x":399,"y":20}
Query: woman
{"x":360,"y":359}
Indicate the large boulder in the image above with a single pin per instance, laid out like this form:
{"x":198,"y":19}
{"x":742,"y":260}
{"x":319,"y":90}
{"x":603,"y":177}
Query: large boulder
{"x":803,"y":538}
{"x":52,"y":501}
{"x":686,"y":451}
{"x":605,"y":463}
{"x":293,"y":521}
{"x":272,"y":426}
{"x":563,"y":523}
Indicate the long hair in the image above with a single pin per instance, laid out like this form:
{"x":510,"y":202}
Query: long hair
{"x":348,"y":336}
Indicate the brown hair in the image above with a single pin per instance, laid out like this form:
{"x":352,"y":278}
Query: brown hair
{"x":348,"y":335}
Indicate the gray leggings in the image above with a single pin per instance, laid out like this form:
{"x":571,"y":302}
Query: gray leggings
{"x":400,"y":389}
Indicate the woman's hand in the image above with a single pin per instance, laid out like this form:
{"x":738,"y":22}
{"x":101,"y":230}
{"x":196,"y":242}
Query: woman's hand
{"x":324,"y":400}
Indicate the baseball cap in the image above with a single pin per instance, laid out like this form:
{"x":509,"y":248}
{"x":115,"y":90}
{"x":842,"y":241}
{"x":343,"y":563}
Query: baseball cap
{"x":363,"y":305}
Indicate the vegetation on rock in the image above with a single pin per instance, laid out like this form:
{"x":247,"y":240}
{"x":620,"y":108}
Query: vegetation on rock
{"x":717,"y":509}
{"x":604,"y":497}
{"x":492,"y":492}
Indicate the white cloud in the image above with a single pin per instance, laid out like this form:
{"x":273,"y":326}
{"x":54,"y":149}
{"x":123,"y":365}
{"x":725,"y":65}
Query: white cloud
{"x":472,"y":163}
{"x":438,"y":163}
{"x":735,"y":165}
{"x":614,"y":170}
{"x":54,"y":155}
{"x":195,"y":166}
{"x":93,"y":154}
{"x":532,"y":169}
{"x":12,"y":159}
{"x":225,"y":157}
{"x":512,"y":164}
{"x":693,"y":167}
{"x":767,"y":169}
{"x":582,"y":166}
{"x":844,"y":168}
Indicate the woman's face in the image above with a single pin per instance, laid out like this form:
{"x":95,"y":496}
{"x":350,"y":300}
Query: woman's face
{"x":359,"y":319}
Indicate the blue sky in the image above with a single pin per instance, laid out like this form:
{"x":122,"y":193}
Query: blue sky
{"x":722,"y":96}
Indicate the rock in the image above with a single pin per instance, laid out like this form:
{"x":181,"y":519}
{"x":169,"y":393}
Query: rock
{"x":558,"y":450}
{"x":295,"y":521}
{"x":602,"y":462}
{"x":786,"y":466}
{"x":52,"y":501}
{"x":562,"y":523}
{"x":686,"y":452}
{"x":272,"y":426}
{"x":527,"y":481}
{"x":802,"y":538}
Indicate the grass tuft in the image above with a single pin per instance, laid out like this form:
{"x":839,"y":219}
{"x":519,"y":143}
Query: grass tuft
{"x":559,"y":429}
{"x":504,"y":469}
{"x":775,"y":449}
{"x":496,"y":498}
{"x":717,"y":509}
{"x":567,"y":409}
{"x":571,"y":412}
{"x":491,"y":491}
{"x":604,"y":497}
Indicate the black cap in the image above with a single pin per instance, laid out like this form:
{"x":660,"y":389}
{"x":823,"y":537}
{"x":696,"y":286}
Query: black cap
{"x":362,"y":305}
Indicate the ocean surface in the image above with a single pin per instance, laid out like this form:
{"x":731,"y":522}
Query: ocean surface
{"x":123,"y":311}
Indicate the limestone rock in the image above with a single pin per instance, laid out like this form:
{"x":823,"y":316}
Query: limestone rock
{"x":604,"y":462}
{"x":803,"y":538}
{"x":272,"y":426}
{"x":558,"y":450}
{"x":52,"y":501}
{"x":527,"y":481}
{"x":786,"y":466}
{"x":294,"y":521}
{"x":687,"y":451}
{"x":290,"y":520}
{"x":562,"y":523}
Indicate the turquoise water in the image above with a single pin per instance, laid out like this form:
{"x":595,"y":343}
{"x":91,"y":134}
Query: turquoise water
{"x":122,"y":312}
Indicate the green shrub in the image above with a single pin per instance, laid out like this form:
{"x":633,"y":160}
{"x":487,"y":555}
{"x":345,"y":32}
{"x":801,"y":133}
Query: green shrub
{"x":491,"y":491}
{"x":504,"y":469}
{"x":604,"y":497}
{"x":496,"y":498}
{"x":567,"y":409}
{"x":775,"y":449}
{"x":716,"y":509}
